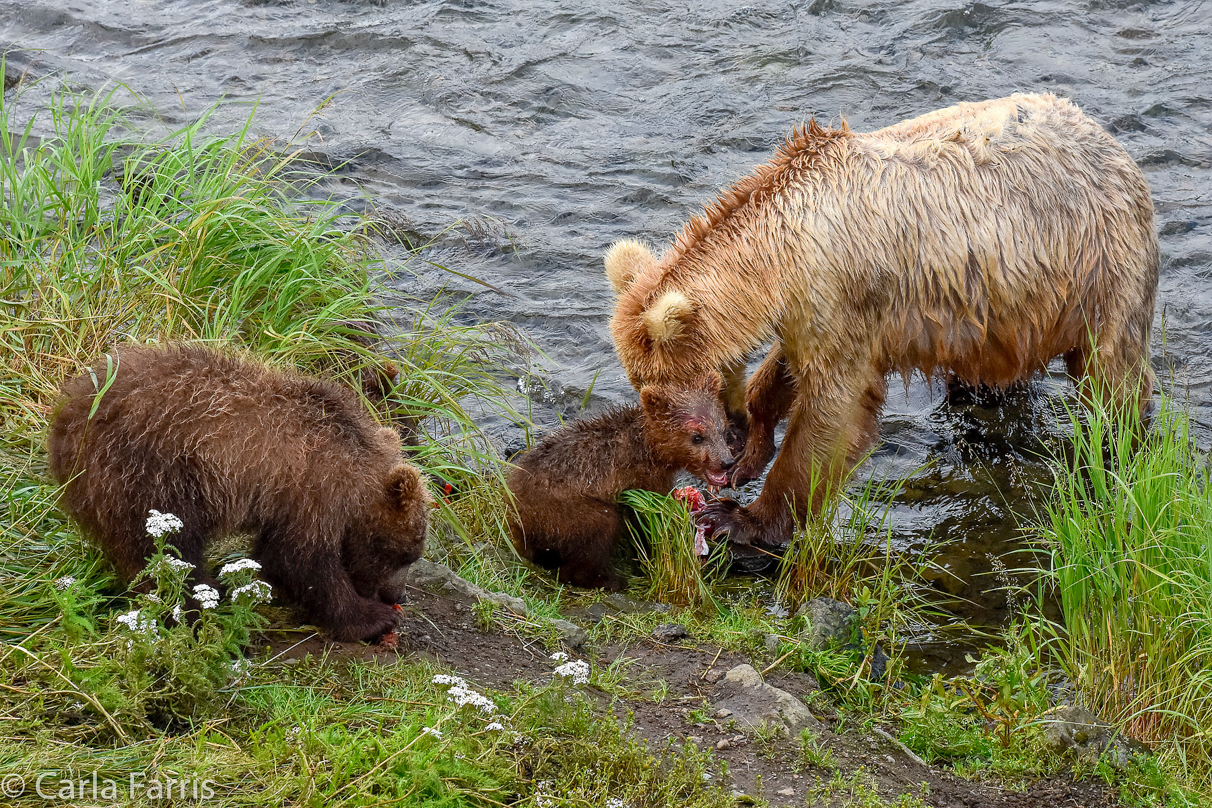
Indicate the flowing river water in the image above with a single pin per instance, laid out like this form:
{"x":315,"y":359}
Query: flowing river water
{"x":522,"y":138}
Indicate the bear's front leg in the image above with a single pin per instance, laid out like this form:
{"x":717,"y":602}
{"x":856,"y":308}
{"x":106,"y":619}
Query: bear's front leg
{"x":768,"y":398}
{"x":826,"y":437}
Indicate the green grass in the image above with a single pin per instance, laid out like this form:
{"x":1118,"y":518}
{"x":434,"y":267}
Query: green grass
{"x":663,"y":532}
{"x":1130,"y":532}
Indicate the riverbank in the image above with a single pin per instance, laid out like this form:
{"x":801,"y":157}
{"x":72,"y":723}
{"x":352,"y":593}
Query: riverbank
{"x":111,"y":238}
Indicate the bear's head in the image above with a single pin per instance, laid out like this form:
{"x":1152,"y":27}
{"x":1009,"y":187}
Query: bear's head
{"x":654,"y":324}
{"x":686,"y":427}
{"x":379,"y":548}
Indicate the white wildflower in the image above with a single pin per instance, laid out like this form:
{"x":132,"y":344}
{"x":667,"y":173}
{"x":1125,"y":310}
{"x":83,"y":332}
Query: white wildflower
{"x":239,"y":668}
{"x":495,"y":726}
{"x":177,"y":613}
{"x":154,"y":598}
{"x":559,"y":656}
{"x":141,"y":625}
{"x":207,"y":596}
{"x":616,"y":802}
{"x":437,"y":733}
{"x":257,"y":591}
{"x":463,"y":696}
{"x":160,"y":524}
{"x":443,"y":679}
{"x":578,"y":671}
{"x":238,"y":566}
{"x":293,"y":733}
{"x":65,"y":583}
{"x":179,"y":564}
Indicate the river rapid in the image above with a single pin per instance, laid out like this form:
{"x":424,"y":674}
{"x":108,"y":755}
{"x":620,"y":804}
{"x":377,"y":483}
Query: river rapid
{"x":519,"y":139}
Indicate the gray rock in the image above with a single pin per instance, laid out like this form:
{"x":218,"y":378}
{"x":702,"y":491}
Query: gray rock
{"x":752,"y":703}
{"x":439,"y":577}
{"x":573,"y":635}
{"x":1076,"y":728}
{"x":669,"y":632}
{"x":828,"y":622}
{"x":772,"y":643}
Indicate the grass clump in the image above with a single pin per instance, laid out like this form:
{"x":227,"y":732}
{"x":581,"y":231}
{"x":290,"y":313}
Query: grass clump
{"x":1130,"y":532}
{"x":664,"y":534}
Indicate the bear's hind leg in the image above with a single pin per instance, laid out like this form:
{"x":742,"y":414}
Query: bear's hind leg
{"x":588,"y":545}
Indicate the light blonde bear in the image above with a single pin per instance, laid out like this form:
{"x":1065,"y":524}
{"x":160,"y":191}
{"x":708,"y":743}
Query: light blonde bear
{"x":979,"y":241}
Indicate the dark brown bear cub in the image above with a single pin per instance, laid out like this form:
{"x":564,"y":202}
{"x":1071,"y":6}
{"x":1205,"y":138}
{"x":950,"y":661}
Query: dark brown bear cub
{"x":566,"y":488}
{"x":229,"y":445}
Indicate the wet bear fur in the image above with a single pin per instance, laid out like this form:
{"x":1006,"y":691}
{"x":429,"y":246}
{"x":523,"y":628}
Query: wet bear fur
{"x":566,"y":489}
{"x":977,"y":242}
{"x":230,"y":445}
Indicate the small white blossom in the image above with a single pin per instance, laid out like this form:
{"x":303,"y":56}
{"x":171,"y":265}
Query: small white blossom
{"x":239,"y":668}
{"x":238,"y":566}
{"x":177,"y":613}
{"x":463,"y":696}
{"x":616,"y":802}
{"x":437,"y":733}
{"x":578,"y":671}
{"x":257,"y":591}
{"x":179,"y":564}
{"x":496,"y":726}
{"x":65,"y":583}
{"x":443,"y":679}
{"x":207,"y":596}
{"x":160,"y":524}
{"x":559,"y":656}
{"x":154,"y":598}
{"x":141,"y":625}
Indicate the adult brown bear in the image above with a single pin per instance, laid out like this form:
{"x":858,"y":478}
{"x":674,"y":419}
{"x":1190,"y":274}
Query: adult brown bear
{"x":981,"y":240}
{"x":230,"y":445}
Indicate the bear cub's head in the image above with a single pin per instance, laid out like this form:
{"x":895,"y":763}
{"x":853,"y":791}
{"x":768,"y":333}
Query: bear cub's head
{"x":379,"y":548}
{"x":686,"y":427}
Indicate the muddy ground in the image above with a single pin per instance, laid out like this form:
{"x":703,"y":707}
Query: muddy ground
{"x":443,"y":628}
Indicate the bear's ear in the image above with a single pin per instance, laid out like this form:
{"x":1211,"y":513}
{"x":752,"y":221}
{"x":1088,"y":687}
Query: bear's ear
{"x":668,"y":316}
{"x":625,"y":261}
{"x":654,"y":401}
{"x":711,"y":384}
{"x":404,"y":486}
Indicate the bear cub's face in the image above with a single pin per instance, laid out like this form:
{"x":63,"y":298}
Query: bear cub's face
{"x":687,"y":427}
{"x":378,"y":551}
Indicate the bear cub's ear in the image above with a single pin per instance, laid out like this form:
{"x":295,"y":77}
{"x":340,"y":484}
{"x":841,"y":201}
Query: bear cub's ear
{"x":711,"y":384}
{"x":404,"y":486}
{"x":625,"y":261}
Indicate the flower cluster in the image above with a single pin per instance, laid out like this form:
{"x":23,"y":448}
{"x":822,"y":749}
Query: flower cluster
{"x":207,"y":596}
{"x":137,"y":624}
{"x":257,"y":592}
{"x":559,"y":656}
{"x":496,"y":726}
{"x":437,"y":733}
{"x":238,"y":566}
{"x":578,"y":671}
{"x":463,"y":696}
{"x":65,"y":583}
{"x":461,"y":693}
{"x":161,"y":524}
{"x":178,"y":564}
